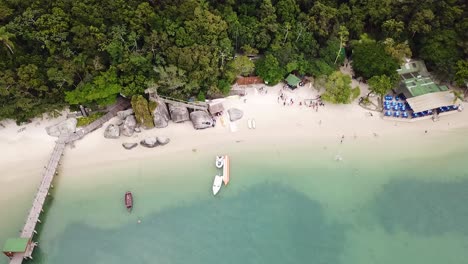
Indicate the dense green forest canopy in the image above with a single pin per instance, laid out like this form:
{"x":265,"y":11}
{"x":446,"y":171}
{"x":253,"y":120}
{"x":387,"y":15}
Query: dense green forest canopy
{"x":63,"y":52}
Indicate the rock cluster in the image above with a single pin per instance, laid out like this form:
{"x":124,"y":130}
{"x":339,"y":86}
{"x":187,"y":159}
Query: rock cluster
{"x":123,"y":114}
{"x":201,"y":119}
{"x":152,"y":142}
{"x":65,"y":127}
{"x":235,"y":114}
{"x":112,"y":131}
{"x":161,"y":114}
{"x":178,"y":113}
{"x":128,"y":126}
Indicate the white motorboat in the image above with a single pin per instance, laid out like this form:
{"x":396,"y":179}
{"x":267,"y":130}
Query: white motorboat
{"x":219,"y":162}
{"x":218,"y":181}
{"x":253,"y":123}
{"x":249,"y":123}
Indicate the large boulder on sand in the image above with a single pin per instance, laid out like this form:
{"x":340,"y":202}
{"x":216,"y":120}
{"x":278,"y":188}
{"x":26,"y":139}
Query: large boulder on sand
{"x":201,"y":119}
{"x":149,"y":142}
{"x":112,"y":131}
{"x":161,"y":114}
{"x":163,"y":140}
{"x":128,"y":126}
{"x":65,"y":127}
{"x":235,"y":114}
{"x":129,"y":145}
{"x":178,"y":113}
{"x":123,"y":114}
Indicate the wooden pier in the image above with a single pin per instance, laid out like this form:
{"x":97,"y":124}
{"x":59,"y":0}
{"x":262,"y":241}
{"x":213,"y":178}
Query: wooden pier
{"x":50,"y":171}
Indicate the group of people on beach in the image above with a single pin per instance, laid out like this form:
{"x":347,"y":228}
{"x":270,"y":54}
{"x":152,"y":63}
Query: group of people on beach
{"x":287,"y":101}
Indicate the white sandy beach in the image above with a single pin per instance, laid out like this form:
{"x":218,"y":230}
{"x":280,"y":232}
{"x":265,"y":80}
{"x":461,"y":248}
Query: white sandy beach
{"x":25,"y":153}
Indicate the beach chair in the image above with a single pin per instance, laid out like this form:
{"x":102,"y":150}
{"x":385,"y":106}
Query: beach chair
{"x":404,"y":115}
{"x":403,"y":108}
{"x":396,"y":114}
{"x":395,"y":108}
{"x":387,"y":107}
{"x":388,"y":113}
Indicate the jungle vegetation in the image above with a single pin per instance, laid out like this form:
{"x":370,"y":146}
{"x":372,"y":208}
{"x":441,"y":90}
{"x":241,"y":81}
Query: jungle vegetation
{"x":61,"y":52}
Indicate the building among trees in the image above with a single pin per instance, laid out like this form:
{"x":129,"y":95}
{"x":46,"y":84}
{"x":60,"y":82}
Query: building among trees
{"x":424,"y":97}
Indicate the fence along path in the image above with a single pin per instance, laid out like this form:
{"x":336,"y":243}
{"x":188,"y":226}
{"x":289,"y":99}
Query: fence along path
{"x":50,"y":171}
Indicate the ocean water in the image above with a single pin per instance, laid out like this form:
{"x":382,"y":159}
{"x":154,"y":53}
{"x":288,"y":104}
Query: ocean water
{"x":375,"y":201}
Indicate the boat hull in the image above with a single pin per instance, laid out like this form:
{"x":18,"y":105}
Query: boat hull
{"x":226,"y":170}
{"x":218,"y":181}
{"x":129,"y":201}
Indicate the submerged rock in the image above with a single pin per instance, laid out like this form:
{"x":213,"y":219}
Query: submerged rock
{"x":150,"y":142}
{"x":128,"y":126}
{"x":235,"y":114}
{"x":129,"y":145}
{"x":163,"y":140}
{"x":112,"y":131}
{"x":65,"y":127}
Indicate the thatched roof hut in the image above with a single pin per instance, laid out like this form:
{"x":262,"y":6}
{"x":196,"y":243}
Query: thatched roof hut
{"x":215,"y":108}
{"x":178,"y":113}
{"x":201,"y":119}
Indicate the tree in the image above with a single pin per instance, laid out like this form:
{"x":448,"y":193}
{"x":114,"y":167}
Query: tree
{"x":370,"y":59}
{"x":5,"y":39}
{"x":170,"y":81}
{"x":268,"y":68}
{"x":287,"y":10}
{"x":242,"y":65}
{"x":322,"y":19}
{"x":380,"y":85}
{"x":440,"y":51}
{"x":338,"y":88}
{"x":461,"y":74}
{"x":103,"y":90}
{"x":398,"y":51}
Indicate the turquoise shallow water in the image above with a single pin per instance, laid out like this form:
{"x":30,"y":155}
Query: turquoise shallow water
{"x":382,"y":203}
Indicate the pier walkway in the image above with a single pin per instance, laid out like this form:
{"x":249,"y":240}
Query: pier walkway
{"x":50,"y":171}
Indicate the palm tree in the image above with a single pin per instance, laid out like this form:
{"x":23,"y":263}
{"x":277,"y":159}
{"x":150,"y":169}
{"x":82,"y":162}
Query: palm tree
{"x":5,"y":37}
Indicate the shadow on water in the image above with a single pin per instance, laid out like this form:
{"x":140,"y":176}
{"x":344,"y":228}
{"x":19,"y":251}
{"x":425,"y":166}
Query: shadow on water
{"x":267,"y":223}
{"x":423,"y":207}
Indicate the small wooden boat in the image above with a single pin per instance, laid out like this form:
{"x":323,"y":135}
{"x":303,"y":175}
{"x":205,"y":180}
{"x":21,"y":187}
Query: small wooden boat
{"x":249,"y":123}
{"x":253,"y":124}
{"x":129,"y":201}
